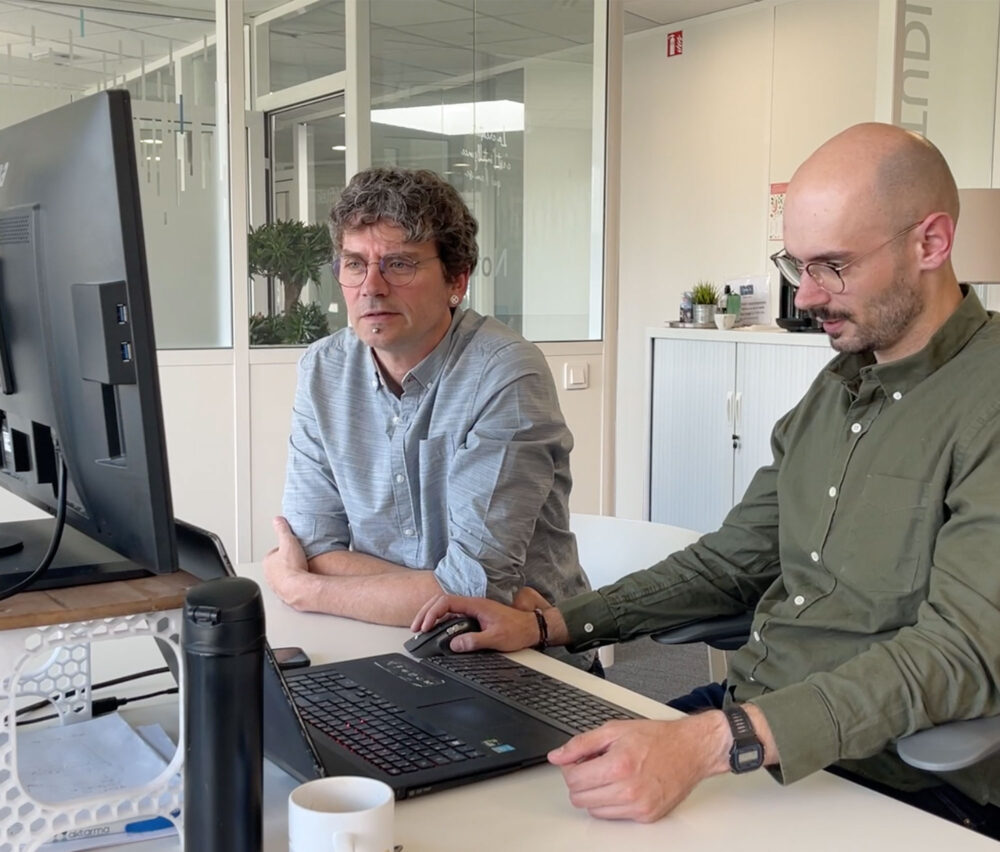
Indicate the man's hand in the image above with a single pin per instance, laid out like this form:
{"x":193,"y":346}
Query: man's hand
{"x":286,"y":564}
{"x":641,"y":770}
{"x":502,"y":628}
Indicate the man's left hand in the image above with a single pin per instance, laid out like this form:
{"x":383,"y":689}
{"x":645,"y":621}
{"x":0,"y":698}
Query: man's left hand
{"x":641,"y":770}
{"x":285,"y":564}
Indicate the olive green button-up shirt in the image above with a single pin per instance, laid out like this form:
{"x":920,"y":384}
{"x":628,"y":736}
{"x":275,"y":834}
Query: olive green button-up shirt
{"x":870,"y":550}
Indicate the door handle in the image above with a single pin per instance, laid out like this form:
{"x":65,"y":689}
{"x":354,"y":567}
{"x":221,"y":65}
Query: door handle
{"x":729,"y":410}
{"x":738,"y":412}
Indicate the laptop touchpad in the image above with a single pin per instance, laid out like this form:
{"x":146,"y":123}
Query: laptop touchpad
{"x":479,"y":717}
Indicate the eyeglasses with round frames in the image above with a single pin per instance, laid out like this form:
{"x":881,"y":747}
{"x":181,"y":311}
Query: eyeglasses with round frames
{"x":827,"y":275}
{"x":397,"y":270}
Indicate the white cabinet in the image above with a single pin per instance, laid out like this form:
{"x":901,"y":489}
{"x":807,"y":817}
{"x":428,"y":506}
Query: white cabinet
{"x":715,"y":397}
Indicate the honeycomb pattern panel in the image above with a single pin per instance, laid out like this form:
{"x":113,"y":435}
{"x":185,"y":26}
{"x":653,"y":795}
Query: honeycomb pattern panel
{"x":53,"y":662}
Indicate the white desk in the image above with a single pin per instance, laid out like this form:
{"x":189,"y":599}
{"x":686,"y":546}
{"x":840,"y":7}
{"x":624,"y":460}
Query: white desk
{"x":529,"y":810}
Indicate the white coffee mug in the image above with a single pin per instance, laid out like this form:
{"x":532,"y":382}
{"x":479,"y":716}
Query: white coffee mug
{"x":341,"y":814}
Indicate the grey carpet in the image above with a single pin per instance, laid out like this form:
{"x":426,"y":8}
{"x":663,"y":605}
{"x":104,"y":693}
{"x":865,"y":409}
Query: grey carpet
{"x":659,"y":671}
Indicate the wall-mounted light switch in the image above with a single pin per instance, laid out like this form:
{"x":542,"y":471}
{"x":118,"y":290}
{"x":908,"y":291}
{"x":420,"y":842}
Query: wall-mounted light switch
{"x":576,"y":376}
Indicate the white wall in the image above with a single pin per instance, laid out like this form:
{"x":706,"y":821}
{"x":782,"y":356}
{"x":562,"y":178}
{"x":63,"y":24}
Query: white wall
{"x":198,"y":410}
{"x":950,"y":82}
{"x":693,"y":180}
{"x":703,"y":136}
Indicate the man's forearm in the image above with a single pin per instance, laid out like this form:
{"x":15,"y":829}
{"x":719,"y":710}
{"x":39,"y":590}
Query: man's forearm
{"x":348,"y":563}
{"x":392,"y":597}
{"x":558,"y":634}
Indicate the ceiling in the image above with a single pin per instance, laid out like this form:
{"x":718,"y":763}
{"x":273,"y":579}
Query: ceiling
{"x":658,"y":12}
{"x":92,"y":43}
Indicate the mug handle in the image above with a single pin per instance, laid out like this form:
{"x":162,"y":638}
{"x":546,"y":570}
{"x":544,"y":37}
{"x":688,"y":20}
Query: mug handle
{"x":343,"y":842}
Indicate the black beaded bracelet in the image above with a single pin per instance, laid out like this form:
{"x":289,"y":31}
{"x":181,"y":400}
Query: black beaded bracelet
{"x":543,"y":631}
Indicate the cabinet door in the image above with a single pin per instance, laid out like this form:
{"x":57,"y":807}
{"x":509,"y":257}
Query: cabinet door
{"x":770,"y":380}
{"x":691,"y":464}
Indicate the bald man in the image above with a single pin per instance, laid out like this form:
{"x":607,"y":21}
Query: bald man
{"x":868,"y":549}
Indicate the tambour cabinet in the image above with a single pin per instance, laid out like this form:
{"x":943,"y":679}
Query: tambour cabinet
{"x":715,"y":396}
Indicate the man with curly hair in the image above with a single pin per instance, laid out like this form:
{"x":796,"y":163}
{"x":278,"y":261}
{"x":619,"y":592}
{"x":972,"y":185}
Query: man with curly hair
{"x":428,"y":453}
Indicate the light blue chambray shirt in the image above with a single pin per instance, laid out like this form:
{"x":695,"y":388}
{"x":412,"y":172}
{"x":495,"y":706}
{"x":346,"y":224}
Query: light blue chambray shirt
{"x":465,"y":474}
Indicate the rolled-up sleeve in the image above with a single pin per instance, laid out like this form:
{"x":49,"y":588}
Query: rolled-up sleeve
{"x":502,"y":474}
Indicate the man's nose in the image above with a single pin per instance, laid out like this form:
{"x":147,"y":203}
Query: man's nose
{"x":374,"y":284}
{"x":809,"y":295}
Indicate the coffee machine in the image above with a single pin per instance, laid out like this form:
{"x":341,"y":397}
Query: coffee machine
{"x":789,"y":317}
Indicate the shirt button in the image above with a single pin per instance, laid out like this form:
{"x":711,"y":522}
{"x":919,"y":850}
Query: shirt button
{"x":756,"y":636}
{"x":855,"y":428}
{"x":588,"y":628}
{"x":833,"y":491}
{"x":814,"y":556}
{"x":897,"y":395}
{"x":374,"y":383}
{"x":400,"y":477}
{"x":798,"y":600}
{"x":395,"y":418}
{"x":408,"y":531}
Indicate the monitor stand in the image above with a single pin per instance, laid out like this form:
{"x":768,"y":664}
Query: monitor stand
{"x":10,"y":544}
{"x":79,"y":561}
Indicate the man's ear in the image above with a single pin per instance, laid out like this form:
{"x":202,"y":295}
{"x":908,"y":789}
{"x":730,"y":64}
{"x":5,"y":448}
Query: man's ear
{"x":937,"y":240}
{"x":458,"y":285}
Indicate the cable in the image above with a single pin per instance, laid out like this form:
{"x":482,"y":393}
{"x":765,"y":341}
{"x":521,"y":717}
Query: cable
{"x":57,"y":532}
{"x":104,"y":684}
{"x":106,"y":705}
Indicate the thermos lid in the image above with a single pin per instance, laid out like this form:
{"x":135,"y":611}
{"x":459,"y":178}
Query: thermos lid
{"x":223,"y":616}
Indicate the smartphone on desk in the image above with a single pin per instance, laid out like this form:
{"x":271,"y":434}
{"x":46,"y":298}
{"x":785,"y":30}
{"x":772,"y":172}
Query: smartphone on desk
{"x":291,"y":657}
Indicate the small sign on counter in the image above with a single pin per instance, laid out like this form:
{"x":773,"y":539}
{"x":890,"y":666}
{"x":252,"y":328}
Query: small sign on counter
{"x":755,"y":299}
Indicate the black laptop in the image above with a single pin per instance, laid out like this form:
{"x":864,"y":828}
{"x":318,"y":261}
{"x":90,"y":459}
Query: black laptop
{"x":420,"y":725}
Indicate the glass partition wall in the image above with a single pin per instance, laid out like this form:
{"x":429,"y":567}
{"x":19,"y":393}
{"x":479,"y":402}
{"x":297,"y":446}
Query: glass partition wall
{"x":165,"y":57}
{"x":496,"y":95}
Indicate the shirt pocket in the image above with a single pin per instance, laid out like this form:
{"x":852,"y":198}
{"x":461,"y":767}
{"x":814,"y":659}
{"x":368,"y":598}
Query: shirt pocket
{"x":888,"y":552}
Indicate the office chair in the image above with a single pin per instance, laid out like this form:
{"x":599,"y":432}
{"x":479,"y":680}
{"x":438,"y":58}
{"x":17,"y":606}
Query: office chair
{"x":611,"y":547}
{"x":943,"y":748}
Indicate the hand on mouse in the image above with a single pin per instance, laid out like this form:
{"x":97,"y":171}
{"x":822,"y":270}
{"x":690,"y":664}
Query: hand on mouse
{"x":502,"y":628}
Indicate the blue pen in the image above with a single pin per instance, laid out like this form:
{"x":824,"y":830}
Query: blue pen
{"x":143,"y":825}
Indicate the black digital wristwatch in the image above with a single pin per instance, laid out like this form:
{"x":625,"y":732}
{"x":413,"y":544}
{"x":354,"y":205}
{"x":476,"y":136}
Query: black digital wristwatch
{"x":747,"y":752}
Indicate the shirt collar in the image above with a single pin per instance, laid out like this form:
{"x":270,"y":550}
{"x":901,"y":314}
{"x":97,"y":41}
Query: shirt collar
{"x":428,"y":370}
{"x":905,"y":374}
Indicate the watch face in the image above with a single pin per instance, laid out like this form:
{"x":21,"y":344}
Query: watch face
{"x":747,"y":757}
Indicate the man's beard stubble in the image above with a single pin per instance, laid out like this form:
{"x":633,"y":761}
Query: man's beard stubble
{"x":888,"y":317}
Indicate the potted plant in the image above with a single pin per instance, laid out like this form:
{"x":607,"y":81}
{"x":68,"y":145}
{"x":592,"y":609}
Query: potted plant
{"x":293,"y":253}
{"x":704,"y":298}
{"x":301,"y":324}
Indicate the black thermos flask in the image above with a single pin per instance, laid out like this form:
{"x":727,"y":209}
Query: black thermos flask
{"x":222,"y":639}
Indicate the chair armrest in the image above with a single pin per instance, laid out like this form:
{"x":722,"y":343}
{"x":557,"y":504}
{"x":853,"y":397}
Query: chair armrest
{"x":726,"y":632}
{"x":951,"y":746}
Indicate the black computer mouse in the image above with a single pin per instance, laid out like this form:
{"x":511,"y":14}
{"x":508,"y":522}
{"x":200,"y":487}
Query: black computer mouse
{"x":436,"y":641}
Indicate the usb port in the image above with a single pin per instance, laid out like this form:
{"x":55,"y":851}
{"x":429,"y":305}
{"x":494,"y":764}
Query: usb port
{"x":126,"y":349}
{"x":121,"y":314}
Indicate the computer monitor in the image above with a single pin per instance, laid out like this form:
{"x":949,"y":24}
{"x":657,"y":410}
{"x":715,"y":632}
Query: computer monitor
{"x":78,"y":374}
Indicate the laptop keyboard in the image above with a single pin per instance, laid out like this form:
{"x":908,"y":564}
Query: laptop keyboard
{"x":563,"y":706}
{"x":375,"y":729}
